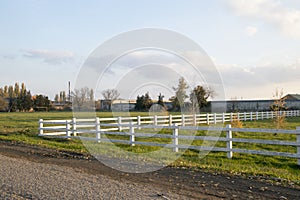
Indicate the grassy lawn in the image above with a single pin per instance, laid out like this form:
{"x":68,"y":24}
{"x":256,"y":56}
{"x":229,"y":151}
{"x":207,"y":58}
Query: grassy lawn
{"x":23,"y":127}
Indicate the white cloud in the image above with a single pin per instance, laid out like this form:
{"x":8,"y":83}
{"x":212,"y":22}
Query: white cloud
{"x":50,"y":57}
{"x":252,"y":82}
{"x":270,"y":11}
{"x":250,"y":31}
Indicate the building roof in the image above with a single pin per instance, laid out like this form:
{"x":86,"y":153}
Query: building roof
{"x":293,"y":96}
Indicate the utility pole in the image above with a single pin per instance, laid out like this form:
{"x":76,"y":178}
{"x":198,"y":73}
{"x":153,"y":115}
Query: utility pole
{"x":69,"y":97}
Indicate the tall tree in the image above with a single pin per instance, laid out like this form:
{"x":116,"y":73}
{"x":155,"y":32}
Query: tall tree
{"x":199,"y":96}
{"x":143,"y":103}
{"x":110,"y":95}
{"x":83,"y":99}
{"x":56,"y":98}
{"x":19,"y":99}
{"x":41,"y":102}
{"x":3,"y":104}
{"x":180,"y":94}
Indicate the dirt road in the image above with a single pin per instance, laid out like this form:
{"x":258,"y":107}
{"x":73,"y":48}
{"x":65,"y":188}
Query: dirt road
{"x":31,"y":172}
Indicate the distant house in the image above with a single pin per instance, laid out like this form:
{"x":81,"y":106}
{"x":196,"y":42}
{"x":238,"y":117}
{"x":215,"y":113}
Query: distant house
{"x":123,"y":105}
{"x":60,"y":106}
{"x":293,"y":97}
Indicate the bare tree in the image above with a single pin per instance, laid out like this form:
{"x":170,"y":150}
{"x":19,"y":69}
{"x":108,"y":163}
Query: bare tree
{"x":110,"y":95}
{"x":83,"y":99}
{"x":278,"y":106}
{"x":180,"y":94}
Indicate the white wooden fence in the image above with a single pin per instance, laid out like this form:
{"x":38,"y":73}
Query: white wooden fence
{"x":84,"y":128}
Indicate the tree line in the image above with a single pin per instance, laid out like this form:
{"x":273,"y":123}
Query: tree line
{"x":198,"y":97}
{"x":18,"y":98}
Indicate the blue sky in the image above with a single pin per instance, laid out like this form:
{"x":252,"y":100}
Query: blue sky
{"x":254,"y":44}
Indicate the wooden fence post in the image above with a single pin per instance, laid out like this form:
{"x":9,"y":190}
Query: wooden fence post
{"x":251,"y":116}
{"x":155,"y":120}
{"x":182,"y":120}
{"x":98,"y":129}
{"x":215,"y":118}
{"x":132,"y":138}
{"x":139,"y":122}
{"x":119,"y":123}
{"x":229,"y":141}
{"x":170,"y":120}
{"x":298,"y":141}
{"x":68,"y":128}
{"x":194,"y":119}
{"x":207,"y":118}
{"x":272,"y":114}
{"x":74,"y":127}
{"x":256,"y":115}
{"x":41,"y":126}
{"x":231,"y":117}
{"x":175,"y":138}
{"x":223,"y":118}
{"x":245,"y":116}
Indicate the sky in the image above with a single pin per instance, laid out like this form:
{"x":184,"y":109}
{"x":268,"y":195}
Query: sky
{"x":253,"y":44}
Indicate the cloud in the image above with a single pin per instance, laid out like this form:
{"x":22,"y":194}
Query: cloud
{"x":8,"y":57}
{"x":250,"y":31}
{"x":252,"y":81}
{"x":270,"y":11}
{"x":50,"y":57}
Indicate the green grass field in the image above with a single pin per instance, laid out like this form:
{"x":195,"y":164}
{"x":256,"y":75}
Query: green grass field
{"x":23,"y":127}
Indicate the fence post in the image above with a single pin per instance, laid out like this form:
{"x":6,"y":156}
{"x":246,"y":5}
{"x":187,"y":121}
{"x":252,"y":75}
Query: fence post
{"x":245,"y":116}
{"x":207,"y":118}
{"x":182,"y":120}
{"x":215,"y":118}
{"x":41,"y":125}
{"x":262,"y":115}
{"x":98,"y":129}
{"x":256,"y":115}
{"x":132,"y":138}
{"x":272,"y":114}
{"x":231,"y":117}
{"x":175,"y":138}
{"x":155,"y":120}
{"x":170,"y":120}
{"x":74,"y":127}
{"x":229,"y":141}
{"x":194,"y":119}
{"x":119,"y":123}
{"x":139,"y":122}
{"x":68,"y":128}
{"x":251,"y":116}
{"x":223,"y":118}
{"x":238,"y":116}
{"x":298,"y":141}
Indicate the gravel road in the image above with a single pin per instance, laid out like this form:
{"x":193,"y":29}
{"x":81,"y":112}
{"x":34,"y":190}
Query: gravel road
{"x":23,"y":179}
{"x":34,"y":172}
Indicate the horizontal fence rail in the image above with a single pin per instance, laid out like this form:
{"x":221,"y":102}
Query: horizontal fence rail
{"x":92,"y":129}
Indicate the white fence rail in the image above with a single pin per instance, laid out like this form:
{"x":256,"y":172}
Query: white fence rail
{"x":92,"y":129}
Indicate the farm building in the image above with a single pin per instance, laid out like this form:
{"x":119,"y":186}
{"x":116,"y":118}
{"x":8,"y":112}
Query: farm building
{"x":292,"y":103}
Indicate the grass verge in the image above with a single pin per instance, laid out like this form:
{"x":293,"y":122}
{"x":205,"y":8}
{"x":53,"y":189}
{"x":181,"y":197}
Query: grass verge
{"x":22,"y":127}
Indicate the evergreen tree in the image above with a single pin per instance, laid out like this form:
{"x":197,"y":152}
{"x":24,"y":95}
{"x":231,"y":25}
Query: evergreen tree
{"x":143,"y":103}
